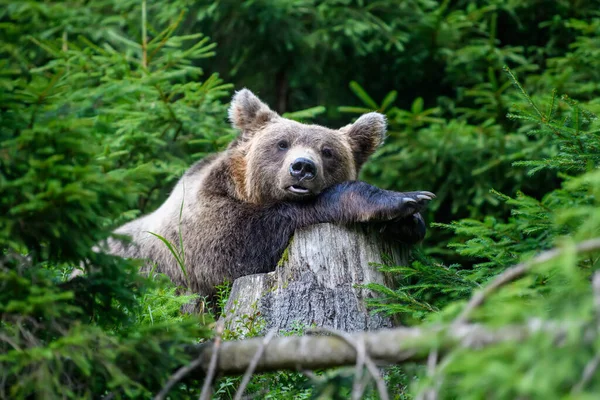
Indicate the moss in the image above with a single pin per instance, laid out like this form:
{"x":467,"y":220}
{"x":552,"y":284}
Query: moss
{"x":286,"y":254}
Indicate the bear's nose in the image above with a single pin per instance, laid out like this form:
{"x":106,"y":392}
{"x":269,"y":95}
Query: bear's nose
{"x":303,"y":169}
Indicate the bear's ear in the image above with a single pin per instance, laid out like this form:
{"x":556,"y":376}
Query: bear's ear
{"x":247,"y":113}
{"x":365,"y":135}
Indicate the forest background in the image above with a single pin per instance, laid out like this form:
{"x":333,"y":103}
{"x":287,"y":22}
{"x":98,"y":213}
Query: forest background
{"x":491,"y":104}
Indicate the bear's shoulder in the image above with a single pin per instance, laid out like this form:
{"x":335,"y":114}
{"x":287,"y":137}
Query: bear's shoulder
{"x":201,"y":164}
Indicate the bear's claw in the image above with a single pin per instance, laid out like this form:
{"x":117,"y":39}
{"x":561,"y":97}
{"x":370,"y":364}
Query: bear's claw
{"x":413,"y":202}
{"x":433,"y":196}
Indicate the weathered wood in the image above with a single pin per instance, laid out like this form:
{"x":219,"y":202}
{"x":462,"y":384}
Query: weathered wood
{"x":316,"y":280}
{"x":396,"y":345}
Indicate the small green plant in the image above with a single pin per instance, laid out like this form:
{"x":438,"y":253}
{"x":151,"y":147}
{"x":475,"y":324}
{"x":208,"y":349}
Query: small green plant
{"x":178,"y":254}
{"x":222,"y":296}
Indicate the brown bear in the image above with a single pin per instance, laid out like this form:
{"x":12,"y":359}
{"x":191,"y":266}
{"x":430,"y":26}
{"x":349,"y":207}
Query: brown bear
{"x":237,"y":210}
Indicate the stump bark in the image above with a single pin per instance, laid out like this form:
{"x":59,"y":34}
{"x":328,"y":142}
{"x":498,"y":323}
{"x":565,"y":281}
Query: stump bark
{"x":316,"y":282}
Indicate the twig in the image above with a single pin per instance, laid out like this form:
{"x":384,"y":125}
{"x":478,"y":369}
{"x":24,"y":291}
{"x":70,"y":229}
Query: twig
{"x":253,"y":364}
{"x":207,"y":387}
{"x":8,"y":340}
{"x":588,"y":373}
{"x":371,"y":367}
{"x":358,"y":386}
{"x":374,"y":371}
{"x":432,"y":362}
{"x":596,"y":293}
{"x":516,"y":272}
{"x":310,"y":375}
{"x":177,"y":376}
{"x":431,"y":392}
{"x":183,"y":371}
{"x":592,"y":365}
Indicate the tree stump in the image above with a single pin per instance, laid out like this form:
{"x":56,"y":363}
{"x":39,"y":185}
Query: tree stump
{"x":315,"y":282}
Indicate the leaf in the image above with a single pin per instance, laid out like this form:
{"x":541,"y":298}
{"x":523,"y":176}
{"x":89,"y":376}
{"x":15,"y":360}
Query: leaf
{"x":362,"y":94}
{"x":354,"y":110}
{"x":417,"y":105}
{"x":305,"y":114}
{"x":173,"y":252}
{"x":388,"y":100}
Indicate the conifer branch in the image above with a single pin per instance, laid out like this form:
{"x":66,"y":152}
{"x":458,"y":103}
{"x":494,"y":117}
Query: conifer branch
{"x":516,"y":272}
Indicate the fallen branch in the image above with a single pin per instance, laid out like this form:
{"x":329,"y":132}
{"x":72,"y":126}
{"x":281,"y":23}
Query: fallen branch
{"x":397,"y":345}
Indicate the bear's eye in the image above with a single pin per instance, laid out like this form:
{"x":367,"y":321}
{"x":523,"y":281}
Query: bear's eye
{"x":327,"y":152}
{"x":282,"y":145}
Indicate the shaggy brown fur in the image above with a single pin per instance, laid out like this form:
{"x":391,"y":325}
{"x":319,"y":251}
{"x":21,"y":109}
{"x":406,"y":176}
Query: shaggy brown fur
{"x":241,"y":207}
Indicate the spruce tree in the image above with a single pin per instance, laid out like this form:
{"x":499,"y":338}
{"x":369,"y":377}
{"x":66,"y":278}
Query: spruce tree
{"x":101,"y":110}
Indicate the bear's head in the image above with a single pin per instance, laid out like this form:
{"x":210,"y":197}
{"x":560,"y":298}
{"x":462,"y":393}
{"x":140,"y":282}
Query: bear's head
{"x":277,"y":159}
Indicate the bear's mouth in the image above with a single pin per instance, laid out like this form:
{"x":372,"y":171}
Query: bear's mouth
{"x":297,"y":189}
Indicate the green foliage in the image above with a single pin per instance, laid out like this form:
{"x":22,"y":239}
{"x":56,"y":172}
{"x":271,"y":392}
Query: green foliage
{"x":460,"y":140}
{"x":422,"y":289}
{"x":97,"y":113}
{"x":104,"y":104}
{"x":557,"y":292}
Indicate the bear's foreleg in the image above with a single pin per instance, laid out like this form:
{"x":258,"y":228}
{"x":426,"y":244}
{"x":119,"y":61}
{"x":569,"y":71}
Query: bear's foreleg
{"x":357,"y":201}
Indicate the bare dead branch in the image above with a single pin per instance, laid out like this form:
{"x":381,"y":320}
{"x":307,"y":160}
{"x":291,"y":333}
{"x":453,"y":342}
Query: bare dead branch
{"x":596,"y":293}
{"x":431,"y":392}
{"x":310,"y":352}
{"x":358,"y":387}
{"x":588,"y":373}
{"x":374,"y":371}
{"x":311,"y":375}
{"x":592,"y":365}
{"x":177,"y":376}
{"x":181,"y":373}
{"x":8,"y":340}
{"x":252,"y":366}
{"x":212,"y":367}
{"x":371,"y":367}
